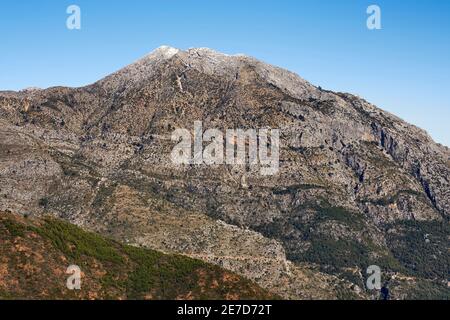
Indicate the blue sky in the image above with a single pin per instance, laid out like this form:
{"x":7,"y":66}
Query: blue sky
{"x":403,"y":68}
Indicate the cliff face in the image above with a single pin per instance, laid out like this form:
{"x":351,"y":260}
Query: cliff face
{"x":356,"y":185}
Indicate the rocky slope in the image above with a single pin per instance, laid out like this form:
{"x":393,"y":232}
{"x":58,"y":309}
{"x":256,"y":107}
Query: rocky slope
{"x":35,"y":255}
{"x":356,"y":186}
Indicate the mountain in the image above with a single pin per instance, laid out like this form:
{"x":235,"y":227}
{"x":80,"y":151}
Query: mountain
{"x":356,"y":186}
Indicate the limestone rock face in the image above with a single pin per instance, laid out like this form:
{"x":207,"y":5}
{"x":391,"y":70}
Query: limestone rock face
{"x":356,"y":186}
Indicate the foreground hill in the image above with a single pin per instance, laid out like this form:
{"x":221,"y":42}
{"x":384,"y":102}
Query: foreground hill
{"x":356,"y":186}
{"x":35,"y":254}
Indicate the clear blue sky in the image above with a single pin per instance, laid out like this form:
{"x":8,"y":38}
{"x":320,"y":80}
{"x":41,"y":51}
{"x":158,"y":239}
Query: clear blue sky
{"x":403,"y":68}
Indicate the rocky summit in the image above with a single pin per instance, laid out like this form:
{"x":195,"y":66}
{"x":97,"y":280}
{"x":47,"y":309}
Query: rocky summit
{"x":356,"y":186}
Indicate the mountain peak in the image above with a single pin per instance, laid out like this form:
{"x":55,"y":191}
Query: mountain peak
{"x":213,"y":63}
{"x":166,"y":51}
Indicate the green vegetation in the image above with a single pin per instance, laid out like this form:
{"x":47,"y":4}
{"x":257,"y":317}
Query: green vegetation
{"x":427,"y":290}
{"x":14,"y":229}
{"x":396,"y":197}
{"x":345,"y":252}
{"x":415,"y":249}
{"x":111,"y":270}
{"x":345,"y":294}
{"x":336,"y":254}
{"x":43,"y":202}
{"x":421,"y":247}
{"x":194,"y":276}
{"x":156,"y":270}
{"x":327,"y":213}
{"x":5,"y":295}
{"x":332,"y":253}
{"x":76,"y":243}
{"x":294,"y":188}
